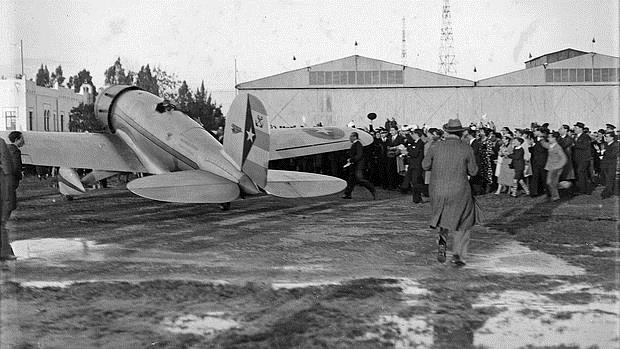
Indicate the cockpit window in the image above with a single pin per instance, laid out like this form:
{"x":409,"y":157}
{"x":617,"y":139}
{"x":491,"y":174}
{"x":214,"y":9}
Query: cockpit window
{"x":165,"y":106}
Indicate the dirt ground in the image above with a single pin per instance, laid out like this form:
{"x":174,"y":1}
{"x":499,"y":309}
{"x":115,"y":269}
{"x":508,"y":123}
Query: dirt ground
{"x":113,"y":270}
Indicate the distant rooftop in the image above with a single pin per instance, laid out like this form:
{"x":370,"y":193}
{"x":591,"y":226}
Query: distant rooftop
{"x":553,"y":57}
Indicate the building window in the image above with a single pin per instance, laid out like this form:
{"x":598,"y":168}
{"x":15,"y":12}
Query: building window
{"x":46,"y":120}
{"x":11,"y":120}
{"x":612,"y":75}
{"x":581,"y":73}
{"x":62,"y":122}
{"x":596,"y":75}
{"x":55,"y":122}
{"x":572,"y":75}
{"x":360,"y":78}
{"x":30,"y":120}
{"x":588,"y":75}
{"x":605,"y":74}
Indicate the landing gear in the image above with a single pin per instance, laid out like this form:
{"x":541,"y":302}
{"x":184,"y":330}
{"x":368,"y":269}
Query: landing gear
{"x":225,"y":206}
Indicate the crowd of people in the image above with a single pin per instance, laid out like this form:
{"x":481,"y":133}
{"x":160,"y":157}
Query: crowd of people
{"x":533,"y":161}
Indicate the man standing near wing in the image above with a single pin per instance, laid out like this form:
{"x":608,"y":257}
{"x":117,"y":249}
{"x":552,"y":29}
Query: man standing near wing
{"x":355,"y":166}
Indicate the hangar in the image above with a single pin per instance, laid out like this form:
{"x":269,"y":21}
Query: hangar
{"x":560,"y":87}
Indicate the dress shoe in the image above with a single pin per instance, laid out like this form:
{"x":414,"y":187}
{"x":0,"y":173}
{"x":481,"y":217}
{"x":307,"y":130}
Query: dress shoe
{"x":457,"y":261}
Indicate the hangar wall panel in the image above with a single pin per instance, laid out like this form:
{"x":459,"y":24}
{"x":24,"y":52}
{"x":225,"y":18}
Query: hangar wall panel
{"x":513,"y":106}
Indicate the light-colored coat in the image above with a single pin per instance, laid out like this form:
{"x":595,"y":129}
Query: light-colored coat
{"x":450,"y":162}
{"x":556,"y":159}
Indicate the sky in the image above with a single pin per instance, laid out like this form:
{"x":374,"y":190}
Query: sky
{"x":201,"y":40}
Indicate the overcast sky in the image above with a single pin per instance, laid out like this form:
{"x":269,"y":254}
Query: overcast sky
{"x":199,"y":40}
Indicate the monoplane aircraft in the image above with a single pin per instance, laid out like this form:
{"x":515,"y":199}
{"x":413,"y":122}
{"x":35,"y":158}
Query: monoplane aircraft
{"x":185,"y":162}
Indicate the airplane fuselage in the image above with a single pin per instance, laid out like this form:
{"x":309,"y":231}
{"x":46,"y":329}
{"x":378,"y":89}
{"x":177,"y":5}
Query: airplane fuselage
{"x":164,"y":140}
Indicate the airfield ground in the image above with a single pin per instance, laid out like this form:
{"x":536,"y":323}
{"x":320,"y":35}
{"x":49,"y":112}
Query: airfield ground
{"x":114,"y":270}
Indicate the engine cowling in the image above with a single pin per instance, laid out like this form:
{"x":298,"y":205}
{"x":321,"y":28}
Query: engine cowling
{"x":105,"y":103}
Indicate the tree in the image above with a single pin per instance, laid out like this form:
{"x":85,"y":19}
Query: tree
{"x":83,"y":119}
{"x":115,"y":75}
{"x":57,"y":77}
{"x":185,"y":99}
{"x":83,"y":77}
{"x":146,"y":81}
{"x":168,"y":84}
{"x":43,"y":77}
{"x":203,"y":109}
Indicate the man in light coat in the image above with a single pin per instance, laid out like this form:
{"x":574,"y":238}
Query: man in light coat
{"x":556,"y":159}
{"x":453,"y":208}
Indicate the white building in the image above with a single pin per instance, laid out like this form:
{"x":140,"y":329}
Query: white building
{"x":559,"y":88}
{"x":24,"y":106}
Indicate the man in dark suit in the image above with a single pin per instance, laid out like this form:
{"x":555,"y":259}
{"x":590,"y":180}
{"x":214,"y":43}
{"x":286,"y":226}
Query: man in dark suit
{"x":582,"y":158}
{"x":538,"y":160}
{"x":394,"y":139}
{"x":609,"y":162}
{"x":415,"y":172}
{"x":355,"y":165}
{"x":567,"y":143}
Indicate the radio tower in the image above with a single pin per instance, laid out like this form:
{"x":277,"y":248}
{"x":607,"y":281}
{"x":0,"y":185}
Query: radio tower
{"x":403,"y":53}
{"x":447,"y":65}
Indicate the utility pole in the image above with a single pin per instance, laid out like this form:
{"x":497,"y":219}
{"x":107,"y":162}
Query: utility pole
{"x":403,"y":54}
{"x":236,"y":91}
{"x":447,"y":65}
{"x":21,"y":49}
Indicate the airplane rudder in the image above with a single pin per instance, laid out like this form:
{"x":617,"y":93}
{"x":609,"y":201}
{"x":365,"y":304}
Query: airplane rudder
{"x":256,"y":160}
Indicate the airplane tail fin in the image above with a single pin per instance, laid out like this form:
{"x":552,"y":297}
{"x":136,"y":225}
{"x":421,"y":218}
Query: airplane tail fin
{"x":246,"y":138}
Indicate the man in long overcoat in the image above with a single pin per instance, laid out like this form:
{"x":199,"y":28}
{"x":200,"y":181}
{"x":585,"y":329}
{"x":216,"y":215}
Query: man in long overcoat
{"x":450,"y":162}
{"x":7,"y":192}
{"x":582,"y":157}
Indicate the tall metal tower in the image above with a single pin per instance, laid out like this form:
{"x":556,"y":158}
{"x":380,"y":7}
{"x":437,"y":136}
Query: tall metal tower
{"x":447,"y":65}
{"x":403,"y":53}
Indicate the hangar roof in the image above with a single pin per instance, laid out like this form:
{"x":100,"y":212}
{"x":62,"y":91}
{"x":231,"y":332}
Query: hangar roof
{"x":579,"y":69}
{"x":355,"y":72}
{"x":553,"y":57}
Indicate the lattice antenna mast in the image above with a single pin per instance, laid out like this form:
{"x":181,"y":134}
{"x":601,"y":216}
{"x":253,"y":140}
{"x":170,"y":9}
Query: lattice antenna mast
{"x":447,"y":65}
{"x":403,"y":53}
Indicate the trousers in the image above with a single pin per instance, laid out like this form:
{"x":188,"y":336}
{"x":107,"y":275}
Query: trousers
{"x":460,"y":243}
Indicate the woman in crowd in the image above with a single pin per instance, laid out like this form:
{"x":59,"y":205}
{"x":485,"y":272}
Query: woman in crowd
{"x":504,"y":173}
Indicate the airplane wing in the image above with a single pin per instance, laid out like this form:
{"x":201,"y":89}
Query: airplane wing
{"x":95,"y":151}
{"x":193,"y":186}
{"x":293,"y":184}
{"x":292,"y":142}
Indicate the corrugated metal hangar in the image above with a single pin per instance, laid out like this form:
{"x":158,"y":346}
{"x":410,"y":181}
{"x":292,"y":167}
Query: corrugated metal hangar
{"x":558,"y":88}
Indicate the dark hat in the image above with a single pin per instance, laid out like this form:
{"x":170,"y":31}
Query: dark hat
{"x":580,"y":125}
{"x":545,"y":125}
{"x":453,"y":125}
{"x":566,"y":127}
{"x":610,"y":126}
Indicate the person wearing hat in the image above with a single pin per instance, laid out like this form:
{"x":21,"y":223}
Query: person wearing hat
{"x":567,"y":143}
{"x":610,"y":128}
{"x":453,"y":207}
{"x":609,"y":163}
{"x":582,"y":158}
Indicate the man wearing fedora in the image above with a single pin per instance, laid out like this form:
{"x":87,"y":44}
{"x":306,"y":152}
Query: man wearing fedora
{"x":582,"y":158}
{"x":452,"y":203}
